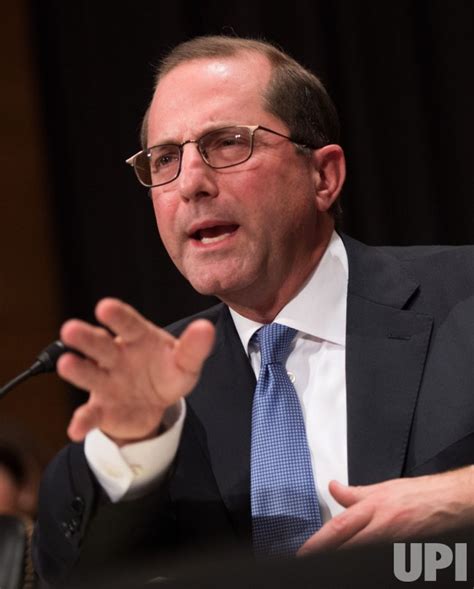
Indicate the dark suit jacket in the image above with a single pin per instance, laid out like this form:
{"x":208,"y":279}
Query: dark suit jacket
{"x":410,"y":411}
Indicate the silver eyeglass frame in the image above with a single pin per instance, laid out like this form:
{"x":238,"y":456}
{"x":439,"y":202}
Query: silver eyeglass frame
{"x":252,"y":128}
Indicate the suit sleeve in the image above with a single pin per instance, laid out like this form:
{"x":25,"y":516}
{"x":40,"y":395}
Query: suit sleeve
{"x":80,"y":531}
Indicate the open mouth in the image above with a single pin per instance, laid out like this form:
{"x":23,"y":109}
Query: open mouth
{"x":214,"y":234}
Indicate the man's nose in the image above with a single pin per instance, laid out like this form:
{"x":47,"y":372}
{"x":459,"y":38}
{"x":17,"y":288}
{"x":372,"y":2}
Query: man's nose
{"x":196,"y":179}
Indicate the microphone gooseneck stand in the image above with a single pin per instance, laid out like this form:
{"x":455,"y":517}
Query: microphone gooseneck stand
{"x":45,"y":362}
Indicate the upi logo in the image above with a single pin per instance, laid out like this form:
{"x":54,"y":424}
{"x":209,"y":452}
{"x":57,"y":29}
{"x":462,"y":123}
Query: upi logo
{"x":429,"y":557}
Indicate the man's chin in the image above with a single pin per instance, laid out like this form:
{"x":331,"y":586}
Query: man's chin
{"x":219,"y":286}
{"x":222,"y":278}
{"x":206,"y":289}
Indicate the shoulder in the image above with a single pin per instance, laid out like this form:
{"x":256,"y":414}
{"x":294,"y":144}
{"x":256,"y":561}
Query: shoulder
{"x":413,"y":253}
{"x":431,"y":253}
{"x":434,"y":278}
{"x":425,"y":259}
{"x":450,"y":266}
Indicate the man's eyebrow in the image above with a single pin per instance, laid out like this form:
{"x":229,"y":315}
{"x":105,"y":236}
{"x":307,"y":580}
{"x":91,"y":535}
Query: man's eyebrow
{"x":207,"y":129}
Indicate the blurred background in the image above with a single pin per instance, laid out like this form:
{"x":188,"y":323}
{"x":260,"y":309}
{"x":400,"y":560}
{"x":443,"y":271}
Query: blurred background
{"x":76,"y":80}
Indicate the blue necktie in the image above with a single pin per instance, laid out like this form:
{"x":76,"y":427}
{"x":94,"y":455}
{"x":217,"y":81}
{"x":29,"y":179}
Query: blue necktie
{"x":285,"y":508}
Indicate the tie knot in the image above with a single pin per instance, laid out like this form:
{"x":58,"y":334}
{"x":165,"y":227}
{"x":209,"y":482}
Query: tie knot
{"x":274,"y":341}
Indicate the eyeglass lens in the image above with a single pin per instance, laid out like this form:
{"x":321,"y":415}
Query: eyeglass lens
{"x":219,"y":149}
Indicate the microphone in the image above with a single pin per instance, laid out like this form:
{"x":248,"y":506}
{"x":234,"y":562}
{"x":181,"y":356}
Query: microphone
{"x":45,"y":362}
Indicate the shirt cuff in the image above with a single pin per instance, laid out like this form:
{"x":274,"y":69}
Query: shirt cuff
{"x":134,"y":469}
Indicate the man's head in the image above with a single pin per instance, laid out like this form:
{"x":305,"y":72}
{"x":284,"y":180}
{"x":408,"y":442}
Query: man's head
{"x":293,"y":94}
{"x":250,"y":234}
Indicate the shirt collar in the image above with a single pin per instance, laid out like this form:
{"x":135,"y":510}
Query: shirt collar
{"x":319,"y":308}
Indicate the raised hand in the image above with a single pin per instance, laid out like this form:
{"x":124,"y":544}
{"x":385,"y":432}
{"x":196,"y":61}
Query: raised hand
{"x":132,"y":376}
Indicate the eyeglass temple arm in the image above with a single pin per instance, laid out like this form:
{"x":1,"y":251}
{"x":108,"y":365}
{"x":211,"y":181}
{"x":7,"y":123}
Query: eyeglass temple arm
{"x":131,"y":159}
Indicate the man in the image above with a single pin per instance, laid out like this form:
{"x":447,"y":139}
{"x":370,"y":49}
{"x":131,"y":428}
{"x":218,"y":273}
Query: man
{"x":244,"y":169}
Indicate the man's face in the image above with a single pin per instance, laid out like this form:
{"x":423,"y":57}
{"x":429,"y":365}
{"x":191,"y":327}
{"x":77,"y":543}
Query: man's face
{"x":245,"y":232}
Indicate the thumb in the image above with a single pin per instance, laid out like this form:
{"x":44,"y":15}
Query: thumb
{"x":194,"y":346}
{"x":85,"y":418}
{"x":345,"y":495}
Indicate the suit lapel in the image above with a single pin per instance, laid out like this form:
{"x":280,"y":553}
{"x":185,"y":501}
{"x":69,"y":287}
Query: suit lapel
{"x":385,"y":355}
{"x":223,"y":404}
{"x":386,"y":349}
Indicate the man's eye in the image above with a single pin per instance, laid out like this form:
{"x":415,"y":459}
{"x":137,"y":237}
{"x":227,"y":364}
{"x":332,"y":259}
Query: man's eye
{"x":233,"y":140}
{"x":226,"y":141}
{"x":159,"y":161}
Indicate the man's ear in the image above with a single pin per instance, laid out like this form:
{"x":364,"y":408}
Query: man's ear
{"x":330,"y":173}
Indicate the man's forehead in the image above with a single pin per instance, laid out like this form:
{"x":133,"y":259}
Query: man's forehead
{"x":239,"y":70}
{"x":204,"y":93}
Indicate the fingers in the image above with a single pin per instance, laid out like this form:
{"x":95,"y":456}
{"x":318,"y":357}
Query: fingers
{"x":94,"y":342}
{"x":348,"y":527}
{"x":85,"y":418}
{"x":343,"y":494}
{"x":81,"y":372}
{"x":392,"y":510}
{"x":348,"y":495}
{"x":122,"y":319}
{"x":132,"y":375}
{"x":338,"y":530}
{"x":99,"y":344}
{"x":194,"y":346}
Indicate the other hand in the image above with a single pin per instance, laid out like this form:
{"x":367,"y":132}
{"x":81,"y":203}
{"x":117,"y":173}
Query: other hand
{"x":133,"y":376}
{"x":397,"y":509}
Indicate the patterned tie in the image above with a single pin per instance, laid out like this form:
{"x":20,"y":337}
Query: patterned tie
{"x":285,"y":508}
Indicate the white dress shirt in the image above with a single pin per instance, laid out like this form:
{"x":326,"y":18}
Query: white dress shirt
{"x":316,"y":366}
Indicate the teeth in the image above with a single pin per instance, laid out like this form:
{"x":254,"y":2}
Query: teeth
{"x":214,"y":239}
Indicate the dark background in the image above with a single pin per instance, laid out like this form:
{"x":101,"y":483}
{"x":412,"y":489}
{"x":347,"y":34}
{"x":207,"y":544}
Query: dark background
{"x":401,"y":75}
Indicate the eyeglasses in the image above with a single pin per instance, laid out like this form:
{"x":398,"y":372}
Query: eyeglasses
{"x":222,"y":148}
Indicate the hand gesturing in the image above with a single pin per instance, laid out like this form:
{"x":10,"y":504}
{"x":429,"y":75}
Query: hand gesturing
{"x":132,"y":376}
